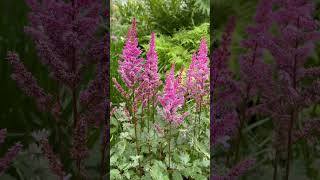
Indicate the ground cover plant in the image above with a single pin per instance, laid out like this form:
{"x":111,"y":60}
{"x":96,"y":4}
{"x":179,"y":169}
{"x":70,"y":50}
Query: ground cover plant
{"x":157,"y":122}
{"x":69,"y":140}
{"x":265,"y":106}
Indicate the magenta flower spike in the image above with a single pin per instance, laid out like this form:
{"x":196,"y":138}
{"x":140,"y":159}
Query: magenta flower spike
{"x":131,"y":65}
{"x":150,"y":80}
{"x":198,"y":74}
{"x":171,"y":99}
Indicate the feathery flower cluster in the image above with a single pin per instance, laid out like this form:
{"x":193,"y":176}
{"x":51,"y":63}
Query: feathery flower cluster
{"x":54,"y":161}
{"x":131,"y":66}
{"x":150,"y":78}
{"x":10,"y":154}
{"x":290,"y":47}
{"x":141,"y":77}
{"x":28,"y":83}
{"x":254,"y":72}
{"x":198,"y":74}
{"x":79,"y":149}
{"x":221,"y":114}
{"x":225,"y":96}
{"x":64,"y":36}
{"x":171,"y":99}
{"x":94,"y":97}
{"x":288,"y":32}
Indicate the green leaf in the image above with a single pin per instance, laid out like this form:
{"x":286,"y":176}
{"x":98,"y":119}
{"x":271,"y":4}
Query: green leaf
{"x":115,"y":174}
{"x":158,"y":173}
{"x":184,"y":157}
{"x":177,"y":176}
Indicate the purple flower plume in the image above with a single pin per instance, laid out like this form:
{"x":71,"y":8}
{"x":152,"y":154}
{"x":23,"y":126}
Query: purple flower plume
{"x":54,"y":162}
{"x":27,"y":82}
{"x":150,"y":80}
{"x":198,"y":74}
{"x":64,"y":33}
{"x":131,"y":65}
{"x":290,"y":48}
{"x":172,"y":99}
{"x":221,"y":113}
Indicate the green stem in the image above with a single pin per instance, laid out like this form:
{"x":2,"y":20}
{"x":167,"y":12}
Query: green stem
{"x":169,"y":142}
{"x":135,"y":124}
{"x":149,"y":146}
{"x":275,"y":166}
{"x":199,"y":116}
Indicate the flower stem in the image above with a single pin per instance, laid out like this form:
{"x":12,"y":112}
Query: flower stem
{"x":169,"y":142}
{"x":135,"y":124}
{"x":149,"y":146}
{"x":199,"y":116}
{"x":292,"y":120}
{"x":275,"y":166}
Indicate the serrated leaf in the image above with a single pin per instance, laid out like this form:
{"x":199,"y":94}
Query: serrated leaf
{"x":184,"y":157}
{"x":157,"y":172}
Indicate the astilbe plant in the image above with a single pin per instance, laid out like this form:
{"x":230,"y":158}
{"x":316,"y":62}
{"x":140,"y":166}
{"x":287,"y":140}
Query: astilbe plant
{"x":225,"y":97}
{"x":130,"y":69}
{"x":171,"y":100}
{"x":198,"y":79}
{"x":280,"y":89}
{"x":146,"y":103}
{"x":290,"y":47}
{"x":67,"y":43}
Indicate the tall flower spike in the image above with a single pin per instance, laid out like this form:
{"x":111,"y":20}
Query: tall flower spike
{"x":150,"y":77}
{"x":221,"y":115}
{"x":26,"y":81}
{"x":64,"y":35}
{"x":171,"y":100}
{"x":198,"y":74}
{"x":9,"y":156}
{"x":131,"y":65}
{"x":54,"y":162}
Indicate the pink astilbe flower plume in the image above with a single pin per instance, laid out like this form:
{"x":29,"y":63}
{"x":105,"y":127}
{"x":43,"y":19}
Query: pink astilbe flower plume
{"x":171,"y":99}
{"x":131,"y":65}
{"x":150,"y":78}
{"x":198,"y":74}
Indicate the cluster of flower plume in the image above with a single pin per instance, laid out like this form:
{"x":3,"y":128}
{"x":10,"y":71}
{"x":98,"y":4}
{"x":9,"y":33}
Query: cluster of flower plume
{"x":142,"y":79}
{"x":67,"y":41}
{"x":10,"y":154}
{"x":279,"y":85}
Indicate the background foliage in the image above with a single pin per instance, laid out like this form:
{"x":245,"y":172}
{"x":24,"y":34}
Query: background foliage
{"x":258,"y":131}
